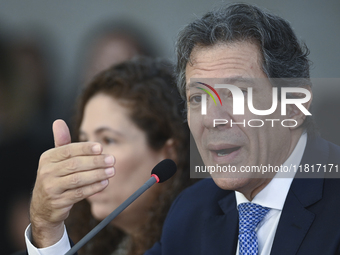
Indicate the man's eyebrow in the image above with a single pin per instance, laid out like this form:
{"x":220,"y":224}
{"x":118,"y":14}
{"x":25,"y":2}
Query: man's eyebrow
{"x":238,"y":79}
{"x":229,"y":80}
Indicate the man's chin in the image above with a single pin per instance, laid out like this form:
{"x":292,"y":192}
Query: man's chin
{"x":228,"y":172}
{"x":230,"y":183}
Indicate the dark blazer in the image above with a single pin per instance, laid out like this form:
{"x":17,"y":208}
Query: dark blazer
{"x":204,"y":218}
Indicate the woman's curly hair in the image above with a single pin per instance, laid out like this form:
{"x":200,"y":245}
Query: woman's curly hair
{"x":147,"y":88}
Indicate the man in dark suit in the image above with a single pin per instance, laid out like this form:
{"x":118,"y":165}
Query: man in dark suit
{"x":204,"y":218}
{"x":243,"y":45}
{"x":281,"y":195}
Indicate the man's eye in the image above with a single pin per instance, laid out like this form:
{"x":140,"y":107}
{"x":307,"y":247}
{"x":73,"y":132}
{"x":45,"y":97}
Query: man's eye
{"x":195,"y":99}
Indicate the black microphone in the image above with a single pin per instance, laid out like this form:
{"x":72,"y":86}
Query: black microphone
{"x":160,"y":173}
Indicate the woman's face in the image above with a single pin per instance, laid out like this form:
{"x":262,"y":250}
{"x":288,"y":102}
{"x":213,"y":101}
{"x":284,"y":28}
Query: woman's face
{"x":106,"y":121}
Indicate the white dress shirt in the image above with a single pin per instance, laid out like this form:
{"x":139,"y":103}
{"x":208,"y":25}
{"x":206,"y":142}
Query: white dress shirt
{"x":61,"y":247}
{"x":272,"y":196}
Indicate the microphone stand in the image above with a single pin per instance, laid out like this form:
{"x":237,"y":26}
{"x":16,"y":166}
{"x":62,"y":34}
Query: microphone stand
{"x":112,"y":215}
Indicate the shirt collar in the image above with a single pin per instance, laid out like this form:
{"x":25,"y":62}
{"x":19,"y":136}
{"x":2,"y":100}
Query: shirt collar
{"x":275,"y":193}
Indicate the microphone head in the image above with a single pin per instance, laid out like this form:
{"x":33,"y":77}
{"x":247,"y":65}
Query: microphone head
{"x":164,"y":169}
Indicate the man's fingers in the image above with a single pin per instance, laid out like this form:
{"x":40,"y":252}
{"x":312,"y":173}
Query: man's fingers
{"x":82,"y":179}
{"x":61,"y":133}
{"x":71,"y":150}
{"x":84,"y":163}
{"x":75,"y":195}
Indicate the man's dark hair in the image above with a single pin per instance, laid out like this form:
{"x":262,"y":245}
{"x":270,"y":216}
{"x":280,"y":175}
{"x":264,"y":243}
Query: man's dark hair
{"x":283,"y":56}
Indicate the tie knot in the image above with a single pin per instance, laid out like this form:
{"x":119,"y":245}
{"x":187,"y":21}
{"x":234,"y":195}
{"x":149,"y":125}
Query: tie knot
{"x":250,"y":215}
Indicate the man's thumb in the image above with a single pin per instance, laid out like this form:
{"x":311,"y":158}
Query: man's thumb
{"x":61,"y":133}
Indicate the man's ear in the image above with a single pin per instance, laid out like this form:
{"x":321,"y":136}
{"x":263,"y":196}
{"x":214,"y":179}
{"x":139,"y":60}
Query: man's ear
{"x":293,"y":112}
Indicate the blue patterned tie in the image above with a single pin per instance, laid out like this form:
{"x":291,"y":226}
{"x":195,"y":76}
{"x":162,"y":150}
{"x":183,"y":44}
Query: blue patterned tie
{"x":250,"y":216}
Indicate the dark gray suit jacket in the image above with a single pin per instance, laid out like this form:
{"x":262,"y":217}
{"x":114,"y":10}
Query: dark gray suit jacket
{"x":204,"y":218}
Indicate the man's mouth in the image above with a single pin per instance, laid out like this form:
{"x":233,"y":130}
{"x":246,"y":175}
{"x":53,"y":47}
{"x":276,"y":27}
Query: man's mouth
{"x":224,"y":152}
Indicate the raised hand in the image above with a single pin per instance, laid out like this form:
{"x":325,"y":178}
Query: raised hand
{"x":66,"y":174}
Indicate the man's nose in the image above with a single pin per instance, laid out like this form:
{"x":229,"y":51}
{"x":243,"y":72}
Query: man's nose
{"x":217,"y":115}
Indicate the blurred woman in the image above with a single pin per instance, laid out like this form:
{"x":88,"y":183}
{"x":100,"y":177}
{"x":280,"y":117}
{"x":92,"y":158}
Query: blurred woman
{"x":134,"y":110}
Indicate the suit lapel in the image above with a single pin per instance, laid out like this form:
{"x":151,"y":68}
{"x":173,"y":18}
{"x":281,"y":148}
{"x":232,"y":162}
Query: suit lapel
{"x":220,"y":231}
{"x":296,"y":219}
{"x":293,"y":226}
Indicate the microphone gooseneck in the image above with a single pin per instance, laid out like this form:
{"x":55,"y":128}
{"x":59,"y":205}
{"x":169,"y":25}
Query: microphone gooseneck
{"x":160,"y":173}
